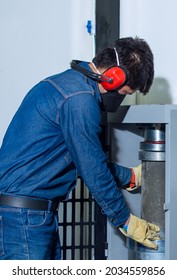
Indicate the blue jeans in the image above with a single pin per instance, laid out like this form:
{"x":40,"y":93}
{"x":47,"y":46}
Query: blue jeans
{"x":28,"y":234}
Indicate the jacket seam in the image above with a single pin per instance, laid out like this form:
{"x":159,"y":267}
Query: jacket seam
{"x":61,"y":91}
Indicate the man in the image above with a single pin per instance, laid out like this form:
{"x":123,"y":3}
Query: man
{"x":54,"y":136}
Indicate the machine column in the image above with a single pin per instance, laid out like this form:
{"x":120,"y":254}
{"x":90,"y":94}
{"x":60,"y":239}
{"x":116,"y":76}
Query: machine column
{"x":152,"y":155}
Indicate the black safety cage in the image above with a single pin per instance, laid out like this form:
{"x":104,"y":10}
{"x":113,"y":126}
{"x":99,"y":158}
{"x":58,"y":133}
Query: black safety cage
{"x":80,"y":221}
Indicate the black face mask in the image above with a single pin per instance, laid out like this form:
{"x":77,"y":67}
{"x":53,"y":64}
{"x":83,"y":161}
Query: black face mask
{"x":111,"y":101}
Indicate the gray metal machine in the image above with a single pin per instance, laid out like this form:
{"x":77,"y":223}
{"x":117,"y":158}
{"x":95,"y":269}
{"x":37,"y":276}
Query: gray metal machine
{"x":147,"y":134}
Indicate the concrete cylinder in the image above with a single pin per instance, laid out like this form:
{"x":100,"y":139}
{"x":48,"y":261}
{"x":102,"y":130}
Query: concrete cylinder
{"x":153,"y":192}
{"x":152,"y":202}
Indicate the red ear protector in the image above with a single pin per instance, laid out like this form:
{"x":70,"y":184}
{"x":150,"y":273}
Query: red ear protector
{"x":112,"y":79}
{"x":117,"y":78}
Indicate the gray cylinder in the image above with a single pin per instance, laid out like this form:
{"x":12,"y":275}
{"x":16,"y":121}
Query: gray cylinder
{"x":153,"y":198}
{"x":152,"y":155}
{"x":153,"y":192}
{"x":153,"y":188}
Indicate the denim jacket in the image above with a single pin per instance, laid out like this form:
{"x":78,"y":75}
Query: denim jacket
{"x":53,"y":137}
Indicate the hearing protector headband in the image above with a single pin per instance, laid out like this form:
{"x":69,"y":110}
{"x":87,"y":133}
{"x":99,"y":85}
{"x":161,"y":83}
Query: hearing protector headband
{"x":112,"y":79}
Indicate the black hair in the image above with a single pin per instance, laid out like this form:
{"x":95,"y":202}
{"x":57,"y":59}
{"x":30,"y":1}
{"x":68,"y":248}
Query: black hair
{"x":135,"y":56}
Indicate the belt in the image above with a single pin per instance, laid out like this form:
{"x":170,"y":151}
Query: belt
{"x":28,"y":202}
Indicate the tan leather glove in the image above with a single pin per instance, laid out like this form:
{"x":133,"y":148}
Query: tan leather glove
{"x":136,"y":179}
{"x":142,"y":232}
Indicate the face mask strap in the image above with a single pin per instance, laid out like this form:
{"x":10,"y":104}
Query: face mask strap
{"x":117,"y":57}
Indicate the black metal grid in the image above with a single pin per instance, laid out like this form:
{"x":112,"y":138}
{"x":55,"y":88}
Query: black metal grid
{"x":82,"y":227}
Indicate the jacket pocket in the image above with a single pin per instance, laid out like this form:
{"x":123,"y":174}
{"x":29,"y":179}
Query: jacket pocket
{"x":1,"y":237}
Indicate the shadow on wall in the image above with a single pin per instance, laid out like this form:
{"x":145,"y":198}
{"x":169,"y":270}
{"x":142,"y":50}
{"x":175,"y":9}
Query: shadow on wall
{"x":160,"y":93}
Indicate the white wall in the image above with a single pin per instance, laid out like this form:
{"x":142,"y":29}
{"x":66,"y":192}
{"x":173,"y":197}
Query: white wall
{"x":39,"y":38}
{"x":156,"y":22}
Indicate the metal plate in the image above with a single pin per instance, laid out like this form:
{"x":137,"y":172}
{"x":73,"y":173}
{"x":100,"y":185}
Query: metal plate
{"x":151,"y":156}
{"x":152,"y":147}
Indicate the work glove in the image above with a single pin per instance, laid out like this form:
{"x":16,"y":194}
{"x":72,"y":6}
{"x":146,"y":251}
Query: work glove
{"x":142,"y":232}
{"x":136,"y":178}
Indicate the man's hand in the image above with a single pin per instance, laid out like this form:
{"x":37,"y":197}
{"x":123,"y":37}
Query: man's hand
{"x":136,"y":179}
{"x":142,"y":232}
